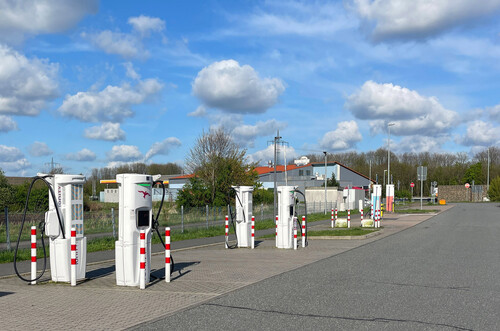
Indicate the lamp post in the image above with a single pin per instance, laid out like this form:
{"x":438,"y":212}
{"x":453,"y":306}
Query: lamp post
{"x":325,"y":180}
{"x":389,"y":152}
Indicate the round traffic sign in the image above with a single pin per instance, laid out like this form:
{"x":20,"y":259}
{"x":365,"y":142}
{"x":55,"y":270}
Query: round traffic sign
{"x":467,"y":185}
{"x":412,"y":184}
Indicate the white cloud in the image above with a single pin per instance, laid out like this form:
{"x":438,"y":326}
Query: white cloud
{"x":17,"y":167}
{"x":480,"y":133}
{"x":111,"y":104}
{"x":417,"y":19}
{"x":494,"y":113}
{"x":344,"y":137}
{"x":124,"y":153}
{"x":145,"y":24}
{"x":381,"y":101}
{"x":162,"y":148}
{"x":418,"y":144}
{"x":10,"y":154}
{"x":201,"y":111}
{"x":39,"y":149}
{"x":83,"y":155}
{"x":26,"y":85}
{"x":127,"y":45}
{"x":236,"y":89}
{"x":7,"y":124}
{"x":123,"y":44}
{"x":131,"y":73}
{"x":31,"y":17}
{"x":411,"y":113}
{"x":106,"y":131}
{"x":245,"y":134}
{"x":262,"y":157}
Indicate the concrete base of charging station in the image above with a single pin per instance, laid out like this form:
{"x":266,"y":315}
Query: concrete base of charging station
{"x":201,"y":274}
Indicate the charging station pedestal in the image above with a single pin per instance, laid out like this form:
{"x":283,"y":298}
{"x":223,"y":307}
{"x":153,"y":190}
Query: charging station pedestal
{"x":243,"y":215}
{"x":135,"y":214}
{"x":286,"y":205}
{"x":376,"y":198}
{"x":68,"y":190}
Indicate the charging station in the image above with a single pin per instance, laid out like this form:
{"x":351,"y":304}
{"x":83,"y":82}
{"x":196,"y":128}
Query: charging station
{"x":243,"y":215}
{"x":376,"y":198}
{"x":135,"y":214}
{"x":68,"y":191}
{"x":286,"y":213}
{"x":389,"y":197}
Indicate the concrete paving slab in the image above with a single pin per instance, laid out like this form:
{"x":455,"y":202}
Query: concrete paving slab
{"x":201,"y":275}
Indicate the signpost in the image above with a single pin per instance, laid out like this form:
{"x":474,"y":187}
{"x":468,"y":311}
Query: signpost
{"x":421,"y":175}
{"x":412,"y":185}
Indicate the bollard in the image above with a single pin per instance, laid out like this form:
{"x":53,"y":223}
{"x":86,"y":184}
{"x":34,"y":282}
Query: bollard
{"x":276,"y":231}
{"x":142,"y":260}
{"x":33,"y":254}
{"x":167,"y":255}
{"x":295,"y":233}
{"x":348,"y":218}
{"x":73,"y":257}
{"x":379,"y":217}
{"x":253,"y":232}
{"x":227,"y":232}
{"x":361,"y":219}
{"x":332,"y":219}
{"x":335,"y":217}
{"x":303,"y":231}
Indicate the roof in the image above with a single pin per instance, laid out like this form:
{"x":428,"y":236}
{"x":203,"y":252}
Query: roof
{"x":279,"y":168}
{"x":183,"y":176}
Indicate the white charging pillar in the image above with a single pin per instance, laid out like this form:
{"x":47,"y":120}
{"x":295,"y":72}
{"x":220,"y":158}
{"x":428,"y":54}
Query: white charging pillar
{"x":244,"y":215}
{"x":376,"y":198}
{"x":68,"y":190}
{"x":286,"y":206}
{"x":135,"y":204}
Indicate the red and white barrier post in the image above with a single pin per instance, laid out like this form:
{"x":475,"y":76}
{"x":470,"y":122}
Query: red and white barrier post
{"x":167,"y":255}
{"x":379,"y":217}
{"x":303,"y":231}
{"x":253,"y":233}
{"x":295,"y":233}
{"x":227,"y":232}
{"x":33,"y":254}
{"x":142,"y":260}
{"x":361,"y":219}
{"x":348,"y":218}
{"x":276,"y":231}
{"x":332,"y":219}
{"x":73,"y":257}
{"x":335,"y":217}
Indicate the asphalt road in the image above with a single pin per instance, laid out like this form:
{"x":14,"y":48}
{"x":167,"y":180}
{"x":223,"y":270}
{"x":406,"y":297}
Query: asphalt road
{"x":443,"y":274}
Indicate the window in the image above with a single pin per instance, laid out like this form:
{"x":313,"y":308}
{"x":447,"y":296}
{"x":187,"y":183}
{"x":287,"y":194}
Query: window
{"x":301,"y":172}
{"x":308,"y":172}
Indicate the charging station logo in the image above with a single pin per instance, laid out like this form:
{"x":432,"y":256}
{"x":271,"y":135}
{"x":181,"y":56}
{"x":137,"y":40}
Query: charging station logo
{"x":144,"y":194}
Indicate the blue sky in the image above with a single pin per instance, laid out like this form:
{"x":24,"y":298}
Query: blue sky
{"x":103,"y":83}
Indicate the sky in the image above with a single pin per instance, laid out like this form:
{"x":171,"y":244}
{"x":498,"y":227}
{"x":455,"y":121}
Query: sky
{"x":93,"y":84}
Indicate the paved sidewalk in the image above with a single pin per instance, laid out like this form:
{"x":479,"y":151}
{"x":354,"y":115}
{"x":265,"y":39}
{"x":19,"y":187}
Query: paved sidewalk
{"x":201,"y":274}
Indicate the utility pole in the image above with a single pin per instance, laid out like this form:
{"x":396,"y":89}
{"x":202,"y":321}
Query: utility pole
{"x":276,"y":141}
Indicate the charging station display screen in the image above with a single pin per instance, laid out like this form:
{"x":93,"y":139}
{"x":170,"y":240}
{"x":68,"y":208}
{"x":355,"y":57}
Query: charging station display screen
{"x":143,"y":218}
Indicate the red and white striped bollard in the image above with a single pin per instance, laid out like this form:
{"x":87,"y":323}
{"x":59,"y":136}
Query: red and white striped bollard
{"x":276,"y":231}
{"x":142,"y":260}
{"x":253,"y":232}
{"x":348,"y":218}
{"x":303,"y":231}
{"x":361,"y":219}
{"x":227,"y":232}
{"x":295,"y":233}
{"x":167,"y":255}
{"x":335,"y":224}
{"x":73,"y":257}
{"x":33,"y":254}
{"x":332,"y":219}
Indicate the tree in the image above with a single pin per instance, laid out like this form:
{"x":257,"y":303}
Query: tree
{"x":494,"y":191}
{"x":219,"y":163}
{"x":6,"y":192}
{"x":332,"y":181}
{"x":474,"y":173}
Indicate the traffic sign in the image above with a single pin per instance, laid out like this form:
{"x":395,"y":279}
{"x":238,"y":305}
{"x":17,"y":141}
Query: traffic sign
{"x":421,"y":173}
{"x":467,"y":185}
{"x":412,"y":184}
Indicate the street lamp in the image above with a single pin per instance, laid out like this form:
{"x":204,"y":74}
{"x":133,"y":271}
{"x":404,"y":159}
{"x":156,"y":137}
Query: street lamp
{"x":389,"y":152}
{"x":325,"y":180}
